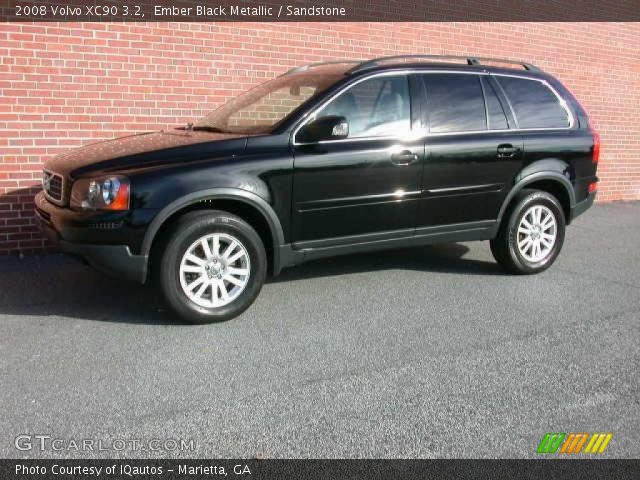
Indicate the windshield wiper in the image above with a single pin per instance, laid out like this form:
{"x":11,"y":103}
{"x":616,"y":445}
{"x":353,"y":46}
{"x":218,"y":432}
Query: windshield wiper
{"x":205,"y":128}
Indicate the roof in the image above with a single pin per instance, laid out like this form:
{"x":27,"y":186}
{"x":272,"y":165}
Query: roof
{"x":351,"y":67}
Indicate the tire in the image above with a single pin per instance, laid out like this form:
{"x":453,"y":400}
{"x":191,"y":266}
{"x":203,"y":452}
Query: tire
{"x":514,"y":248}
{"x":224,"y":274}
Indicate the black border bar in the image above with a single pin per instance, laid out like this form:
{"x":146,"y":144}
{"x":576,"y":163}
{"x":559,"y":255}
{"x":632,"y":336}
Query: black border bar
{"x":320,"y":10}
{"x":587,"y":469}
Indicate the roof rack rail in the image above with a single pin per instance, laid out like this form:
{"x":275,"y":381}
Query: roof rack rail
{"x":304,"y":68}
{"x":474,"y":61}
{"x":525,"y":65}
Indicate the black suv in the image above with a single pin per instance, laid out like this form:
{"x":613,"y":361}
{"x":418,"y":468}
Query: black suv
{"x":331,"y":159}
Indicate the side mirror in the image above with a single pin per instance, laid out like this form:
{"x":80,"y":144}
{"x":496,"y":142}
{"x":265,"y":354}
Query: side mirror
{"x":331,"y":127}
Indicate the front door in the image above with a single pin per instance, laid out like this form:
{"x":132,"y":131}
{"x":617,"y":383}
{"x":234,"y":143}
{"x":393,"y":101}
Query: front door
{"x":366,"y":186}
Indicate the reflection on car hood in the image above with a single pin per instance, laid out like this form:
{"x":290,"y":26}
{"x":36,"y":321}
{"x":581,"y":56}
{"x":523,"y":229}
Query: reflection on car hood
{"x":130,"y":145}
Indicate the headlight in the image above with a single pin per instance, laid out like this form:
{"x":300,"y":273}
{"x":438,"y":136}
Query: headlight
{"x":104,"y":193}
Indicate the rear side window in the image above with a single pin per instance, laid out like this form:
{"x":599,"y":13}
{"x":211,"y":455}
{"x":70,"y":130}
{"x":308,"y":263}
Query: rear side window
{"x":454,"y":103}
{"x":534,"y":104}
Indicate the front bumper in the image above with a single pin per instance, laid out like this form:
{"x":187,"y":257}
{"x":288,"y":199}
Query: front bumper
{"x":116,"y":260}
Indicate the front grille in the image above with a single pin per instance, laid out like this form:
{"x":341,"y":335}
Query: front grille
{"x":53,"y":185}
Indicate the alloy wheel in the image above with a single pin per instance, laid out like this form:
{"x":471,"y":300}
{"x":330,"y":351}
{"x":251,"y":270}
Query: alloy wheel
{"x":214,"y":270}
{"x":537,"y":233}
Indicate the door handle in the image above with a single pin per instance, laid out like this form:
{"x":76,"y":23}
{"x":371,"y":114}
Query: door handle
{"x":404,"y":157}
{"x":506,"y":150}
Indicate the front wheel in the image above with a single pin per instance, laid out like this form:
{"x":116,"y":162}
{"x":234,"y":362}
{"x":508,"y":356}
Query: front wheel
{"x":531,"y":235}
{"x":213,"y":266}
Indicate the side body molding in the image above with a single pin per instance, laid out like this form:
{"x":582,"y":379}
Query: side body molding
{"x":237,"y":194}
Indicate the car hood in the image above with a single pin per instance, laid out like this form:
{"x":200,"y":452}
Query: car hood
{"x":130,"y":151}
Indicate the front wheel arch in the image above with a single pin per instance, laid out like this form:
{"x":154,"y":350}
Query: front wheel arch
{"x":253,"y":209}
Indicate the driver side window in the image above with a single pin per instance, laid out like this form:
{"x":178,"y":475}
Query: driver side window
{"x":376,"y":107}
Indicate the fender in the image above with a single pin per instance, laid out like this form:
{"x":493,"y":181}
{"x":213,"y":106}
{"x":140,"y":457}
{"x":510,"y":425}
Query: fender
{"x":524,"y":179}
{"x":249,"y":198}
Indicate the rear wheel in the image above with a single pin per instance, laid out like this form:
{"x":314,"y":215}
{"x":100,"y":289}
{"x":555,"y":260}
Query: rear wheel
{"x":531,"y":234}
{"x":213,"y":267}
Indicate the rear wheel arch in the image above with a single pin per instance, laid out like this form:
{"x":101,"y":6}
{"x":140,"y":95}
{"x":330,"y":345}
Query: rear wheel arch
{"x":246,"y":205}
{"x":553,"y":183}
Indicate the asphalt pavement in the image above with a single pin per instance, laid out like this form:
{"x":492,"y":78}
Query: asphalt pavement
{"x":419,"y":353}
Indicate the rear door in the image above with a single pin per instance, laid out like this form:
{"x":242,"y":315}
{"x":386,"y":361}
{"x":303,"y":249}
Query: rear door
{"x":472,"y":153}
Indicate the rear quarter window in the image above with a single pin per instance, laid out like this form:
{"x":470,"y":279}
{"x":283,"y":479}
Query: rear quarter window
{"x":534,"y":104}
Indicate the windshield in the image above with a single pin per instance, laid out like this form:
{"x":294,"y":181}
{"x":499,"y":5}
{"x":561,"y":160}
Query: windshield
{"x":261,"y":108}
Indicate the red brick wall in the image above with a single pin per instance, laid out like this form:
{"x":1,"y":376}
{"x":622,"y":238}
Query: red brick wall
{"x":62,"y":85}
